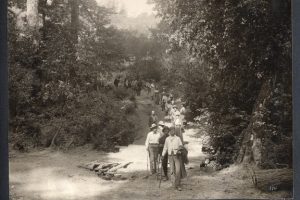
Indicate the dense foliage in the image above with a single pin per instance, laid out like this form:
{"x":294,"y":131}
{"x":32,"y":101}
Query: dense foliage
{"x":230,"y":61}
{"x":241,"y":53}
{"x":56,"y":94}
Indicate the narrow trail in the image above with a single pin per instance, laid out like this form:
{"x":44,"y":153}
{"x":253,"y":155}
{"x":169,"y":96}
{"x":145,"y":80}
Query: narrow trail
{"x":54,"y":175}
{"x":145,"y":106}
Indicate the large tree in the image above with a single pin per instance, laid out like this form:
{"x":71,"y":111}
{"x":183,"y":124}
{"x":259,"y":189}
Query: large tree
{"x":246,"y":46}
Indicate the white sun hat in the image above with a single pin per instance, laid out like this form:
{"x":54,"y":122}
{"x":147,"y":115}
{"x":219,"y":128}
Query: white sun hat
{"x":161,"y":123}
{"x":153,"y":126}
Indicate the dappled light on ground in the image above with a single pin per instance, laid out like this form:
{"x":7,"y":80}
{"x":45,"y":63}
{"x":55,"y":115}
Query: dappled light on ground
{"x":49,"y":183}
{"x":194,"y":144}
{"x":54,"y":175}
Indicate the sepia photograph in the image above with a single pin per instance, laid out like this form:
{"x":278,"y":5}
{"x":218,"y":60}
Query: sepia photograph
{"x":150,"y":99}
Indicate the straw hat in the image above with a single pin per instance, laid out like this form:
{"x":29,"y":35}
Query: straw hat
{"x":161,"y":123}
{"x":153,"y":126}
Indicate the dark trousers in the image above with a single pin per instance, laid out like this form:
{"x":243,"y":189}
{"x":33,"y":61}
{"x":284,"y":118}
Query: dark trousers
{"x":163,"y":105}
{"x":164,"y":162}
{"x":165,"y":165}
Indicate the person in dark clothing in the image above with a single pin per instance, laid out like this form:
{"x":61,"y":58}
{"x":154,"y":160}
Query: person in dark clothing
{"x":129,"y":83}
{"x":139,"y":87}
{"x":116,"y":82}
{"x":162,"y":139}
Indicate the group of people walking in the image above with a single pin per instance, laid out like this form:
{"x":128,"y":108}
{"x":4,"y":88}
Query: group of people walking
{"x":134,"y":84}
{"x":165,"y":140}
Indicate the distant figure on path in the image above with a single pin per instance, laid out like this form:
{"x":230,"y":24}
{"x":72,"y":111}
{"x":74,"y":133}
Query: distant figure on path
{"x":164,"y":100}
{"x":182,"y":113}
{"x":148,"y":87}
{"x":178,"y":124}
{"x":152,"y":147}
{"x":153,"y":118}
{"x":139,"y":87}
{"x":117,"y":81}
{"x":156,"y":96}
{"x":152,"y":88}
{"x":129,"y":83}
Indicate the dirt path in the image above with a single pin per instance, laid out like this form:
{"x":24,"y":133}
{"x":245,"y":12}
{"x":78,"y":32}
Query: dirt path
{"x":54,"y":175}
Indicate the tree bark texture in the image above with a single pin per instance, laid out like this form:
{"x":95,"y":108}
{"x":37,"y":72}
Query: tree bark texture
{"x":74,"y":20}
{"x":33,"y":20}
{"x":251,"y":147}
{"x":273,"y":179}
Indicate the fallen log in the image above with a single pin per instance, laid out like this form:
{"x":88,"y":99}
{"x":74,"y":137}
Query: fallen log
{"x":272,"y":179}
{"x":106,"y":171}
{"x":91,"y":166}
{"x":114,"y":169}
{"x":105,"y":166}
{"x":110,"y":165}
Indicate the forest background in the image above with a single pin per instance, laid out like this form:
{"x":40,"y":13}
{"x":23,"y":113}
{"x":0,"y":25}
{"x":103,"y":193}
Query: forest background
{"x":230,"y":62}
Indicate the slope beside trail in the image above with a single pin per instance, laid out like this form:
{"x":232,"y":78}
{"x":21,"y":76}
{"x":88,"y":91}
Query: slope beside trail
{"x":54,"y":175}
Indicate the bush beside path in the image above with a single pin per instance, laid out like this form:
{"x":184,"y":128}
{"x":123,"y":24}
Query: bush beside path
{"x":48,"y":174}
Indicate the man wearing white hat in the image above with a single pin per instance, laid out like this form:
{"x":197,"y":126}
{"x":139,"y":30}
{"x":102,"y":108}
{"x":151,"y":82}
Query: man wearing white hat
{"x":152,"y":145}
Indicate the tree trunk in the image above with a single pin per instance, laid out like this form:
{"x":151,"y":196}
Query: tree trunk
{"x":43,"y":11}
{"x":273,"y":180}
{"x":74,"y":35}
{"x":33,"y":20}
{"x":251,"y":146}
{"x":74,"y":21}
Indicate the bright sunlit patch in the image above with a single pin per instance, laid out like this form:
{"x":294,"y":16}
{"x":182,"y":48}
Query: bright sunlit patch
{"x":133,"y":153}
{"x":47,"y":183}
{"x":132,"y":7}
{"x":194,"y":144}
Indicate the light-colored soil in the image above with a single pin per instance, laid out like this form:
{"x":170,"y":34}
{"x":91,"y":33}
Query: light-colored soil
{"x":54,"y":175}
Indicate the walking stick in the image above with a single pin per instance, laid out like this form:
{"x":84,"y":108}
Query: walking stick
{"x":147,"y":161}
{"x":160,"y":172}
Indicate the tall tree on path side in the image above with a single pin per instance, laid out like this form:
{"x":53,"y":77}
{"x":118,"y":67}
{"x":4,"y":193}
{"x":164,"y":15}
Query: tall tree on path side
{"x":32,"y":14}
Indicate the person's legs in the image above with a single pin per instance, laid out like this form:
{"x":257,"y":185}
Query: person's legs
{"x":151,"y":155}
{"x":165,"y":165}
{"x":177,"y":164}
{"x":155,"y":152}
{"x":172,"y":168}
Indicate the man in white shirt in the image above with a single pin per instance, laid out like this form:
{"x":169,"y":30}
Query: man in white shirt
{"x":152,"y":145}
{"x":171,"y":147}
{"x":178,"y":126}
{"x":182,"y":110}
